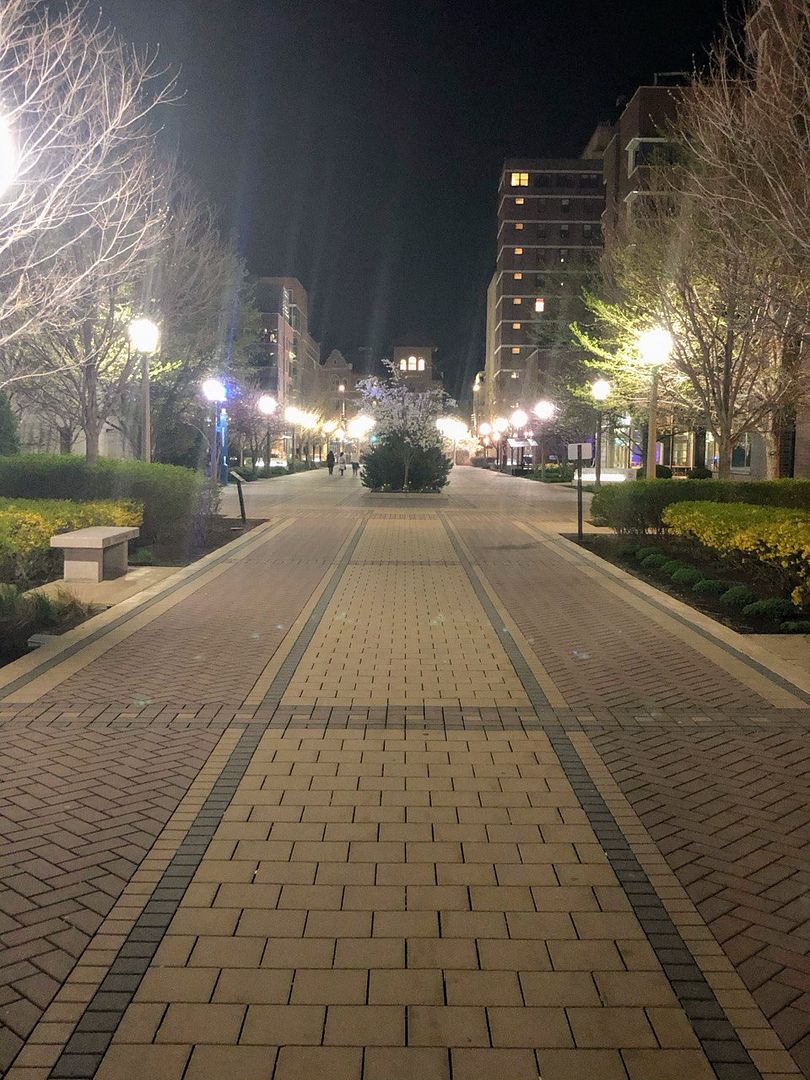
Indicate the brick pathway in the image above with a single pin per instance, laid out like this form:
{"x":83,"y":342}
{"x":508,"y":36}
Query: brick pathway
{"x":386,"y":791}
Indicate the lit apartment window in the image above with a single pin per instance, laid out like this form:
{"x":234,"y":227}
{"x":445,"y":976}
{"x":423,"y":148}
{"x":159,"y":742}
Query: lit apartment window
{"x":563,"y":232}
{"x":518,"y":276}
{"x":540,"y":304}
{"x":403,"y":365}
{"x":517,"y":300}
{"x":420,"y":364}
{"x":520,"y":179}
{"x":518,"y":225}
{"x":518,"y":251}
{"x":563,"y":254}
{"x":515,"y":350}
{"x":411,"y":363}
{"x":515,"y":375}
{"x":515,"y":325}
{"x":519,"y":201}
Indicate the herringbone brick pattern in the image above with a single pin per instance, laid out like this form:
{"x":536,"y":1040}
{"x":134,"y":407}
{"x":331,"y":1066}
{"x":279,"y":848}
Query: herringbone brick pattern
{"x":730,"y":811}
{"x":598,"y":650}
{"x":79,"y":808}
{"x":213,"y":646}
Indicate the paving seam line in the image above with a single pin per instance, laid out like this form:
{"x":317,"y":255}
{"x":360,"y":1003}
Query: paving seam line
{"x":82,"y":1056}
{"x":281,"y":680}
{"x":263,"y":683}
{"x":92,"y":965}
{"x":519,"y":662}
{"x":247,"y":545}
{"x":719,"y":1040}
{"x":629,"y":582}
{"x":677,"y":899}
{"x":95,"y":1030}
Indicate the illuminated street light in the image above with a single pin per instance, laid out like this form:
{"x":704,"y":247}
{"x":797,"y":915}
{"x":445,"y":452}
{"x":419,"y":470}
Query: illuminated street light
{"x":601,"y":392}
{"x":8,"y":155}
{"x":519,"y":418}
{"x":485,"y":429}
{"x":329,"y":427}
{"x":360,"y":426}
{"x":654,"y":349}
{"x":214,"y":390}
{"x":267,"y":404}
{"x":144,"y":338}
{"x":292,"y":415}
{"x":544,"y":411}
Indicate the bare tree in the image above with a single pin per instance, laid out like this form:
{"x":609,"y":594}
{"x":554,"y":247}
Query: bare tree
{"x":78,"y":138}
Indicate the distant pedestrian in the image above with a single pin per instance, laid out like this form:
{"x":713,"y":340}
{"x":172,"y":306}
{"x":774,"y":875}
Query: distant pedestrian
{"x":342,"y":463}
{"x":330,"y":462}
{"x":355,"y":466}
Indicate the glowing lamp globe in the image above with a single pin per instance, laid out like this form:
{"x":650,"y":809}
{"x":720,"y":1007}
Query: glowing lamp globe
{"x":519,"y":418}
{"x":144,"y":335}
{"x":500,"y":424}
{"x":655,"y":346}
{"x":544,"y":410}
{"x":601,"y":390}
{"x":267,"y":404}
{"x":485,"y":429}
{"x":214,"y":390}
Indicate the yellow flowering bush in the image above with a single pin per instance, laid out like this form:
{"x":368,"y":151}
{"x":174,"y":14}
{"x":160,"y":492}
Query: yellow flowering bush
{"x":773,"y":537}
{"x":27,"y":525}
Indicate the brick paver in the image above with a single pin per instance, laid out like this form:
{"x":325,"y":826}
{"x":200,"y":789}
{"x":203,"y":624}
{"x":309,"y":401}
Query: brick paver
{"x":403,"y":868}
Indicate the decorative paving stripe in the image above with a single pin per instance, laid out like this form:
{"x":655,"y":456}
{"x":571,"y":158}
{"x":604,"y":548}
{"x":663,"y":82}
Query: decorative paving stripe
{"x":720,"y":1042}
{"x":94,"y":1032}
{"x":518,"y":660}
{"x":275,"y":691}
{"x":632,"y":586}
{"x":251,"y":541}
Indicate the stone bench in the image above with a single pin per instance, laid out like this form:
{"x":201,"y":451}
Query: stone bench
{"x":96,"y":553}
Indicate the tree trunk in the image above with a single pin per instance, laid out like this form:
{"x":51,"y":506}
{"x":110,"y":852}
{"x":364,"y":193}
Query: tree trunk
{"x":772,"y":455}
{"x":724,"y":449}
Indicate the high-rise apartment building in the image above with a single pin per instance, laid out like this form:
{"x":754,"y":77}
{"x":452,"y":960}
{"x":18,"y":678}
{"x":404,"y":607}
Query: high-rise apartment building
{"x":293,"y":355}
{"x":549,"y":238}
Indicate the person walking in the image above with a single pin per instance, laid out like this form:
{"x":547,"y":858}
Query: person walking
{"x":355,"y":465}
{"x":342,"y":463}
{"x":330,"y":462}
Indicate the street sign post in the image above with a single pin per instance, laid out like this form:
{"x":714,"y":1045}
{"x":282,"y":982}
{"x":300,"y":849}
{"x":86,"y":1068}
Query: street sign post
{"x":576,"y":452}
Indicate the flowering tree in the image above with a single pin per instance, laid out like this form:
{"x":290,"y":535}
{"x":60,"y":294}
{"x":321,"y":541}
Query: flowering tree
{"x":405,"y":418}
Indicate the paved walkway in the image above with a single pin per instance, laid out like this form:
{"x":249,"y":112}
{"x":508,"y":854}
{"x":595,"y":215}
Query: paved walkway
{"x":404,"y":788}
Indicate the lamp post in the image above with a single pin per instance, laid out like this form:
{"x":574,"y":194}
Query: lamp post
{"x":544,"y":411}
{"x":518,"y":420}
{"x":484,"y":431}
{"x":215,"y":392}
{"x":342,"y":392}
{"x":267,"y":405}
{"x":499,"y":425}
{"x":9,"y":160}
{"x":601,"y":391}
{"x":144,"y":339}
{"x":654,"y":348}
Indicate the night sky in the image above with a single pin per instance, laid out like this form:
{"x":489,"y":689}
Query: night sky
{"x":356,"y":144}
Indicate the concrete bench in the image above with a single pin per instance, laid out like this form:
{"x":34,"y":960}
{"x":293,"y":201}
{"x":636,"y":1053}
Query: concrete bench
{"x":96,"y":553}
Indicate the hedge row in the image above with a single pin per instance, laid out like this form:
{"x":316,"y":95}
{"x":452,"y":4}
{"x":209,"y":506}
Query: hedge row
{"x":637,"y":506}
{"x":27,"y":525}
{"x":173,"y":498}
{"x":761,"y":535}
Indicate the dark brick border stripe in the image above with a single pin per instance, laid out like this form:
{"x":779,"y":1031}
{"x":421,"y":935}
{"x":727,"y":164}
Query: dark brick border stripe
{"x":96,"y":1028}
{"x":94,"y":1032}
{"x":749,"y":661}
{"x":71,"y":650}
{"x":282,"y":677}
{"x":518,"y":660}
{"x":715,"y":1032}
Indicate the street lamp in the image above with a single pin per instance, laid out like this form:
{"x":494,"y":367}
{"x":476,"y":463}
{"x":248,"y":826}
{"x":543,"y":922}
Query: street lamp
{"x":215,"y":392}
{"x":8,"y":155}
{"x":518,"y":419}
{"x":144,"y":338}
{"x":544,"y":411}
{"x":267,"y":405}
{"x":654,"y":348}
{"x":342,"y":392}
{"x":601,"y":392}
{"x":500,"y":424}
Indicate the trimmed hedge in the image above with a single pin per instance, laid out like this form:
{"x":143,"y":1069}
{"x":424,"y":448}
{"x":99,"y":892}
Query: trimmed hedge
{"x":173,"y":498}
{"x":770,"y":536}
{"x":27,"y":525}
{"x":637,"y":506}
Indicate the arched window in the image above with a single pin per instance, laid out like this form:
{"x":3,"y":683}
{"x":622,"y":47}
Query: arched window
{"x":411,"y":363}
{"x":421,"y":364}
